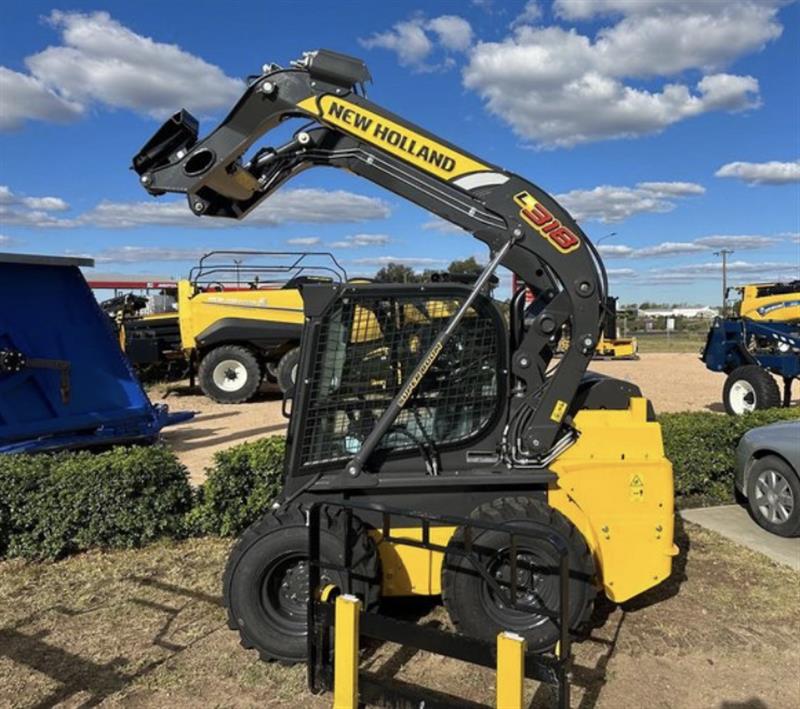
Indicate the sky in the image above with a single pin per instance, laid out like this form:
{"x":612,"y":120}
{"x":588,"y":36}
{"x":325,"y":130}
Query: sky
{"x":669,"y":129}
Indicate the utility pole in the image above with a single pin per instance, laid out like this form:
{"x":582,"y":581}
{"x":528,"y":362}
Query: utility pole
{"x":724,"y":253}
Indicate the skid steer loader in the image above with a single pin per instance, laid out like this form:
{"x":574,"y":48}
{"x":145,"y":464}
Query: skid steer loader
{"x":442,"y":408}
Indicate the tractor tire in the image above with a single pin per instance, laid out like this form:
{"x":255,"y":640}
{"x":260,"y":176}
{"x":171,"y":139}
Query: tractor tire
{"x":229,"y":374}
{"x":472,"y":605}
{"x":748,"y":388}
{"x":286,"y":371}
{"x":265,"y":586}
{"x":271,"y":372}
{"x":773,"y":496}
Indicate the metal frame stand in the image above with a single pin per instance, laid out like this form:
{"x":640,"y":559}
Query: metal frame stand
{"x":337,"y":621}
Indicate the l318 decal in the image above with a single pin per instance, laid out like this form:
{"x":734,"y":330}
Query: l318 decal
{"x":545,"y":224}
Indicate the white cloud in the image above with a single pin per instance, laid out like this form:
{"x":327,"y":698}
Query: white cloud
{"x":558,"y":87}
{"x":6,"y":240}
{"x":620,"y":273}
{"x":669,"y":248}
{"x":29,"y":211}
{"x":25,"y":97}
{"x":615,"y":250}
{"x":358,"y":240}
{"x":454,"y":32}
{"x":415,"y":40}
{"x":762,"y":173}
{"x":442,"y":226}
{"x":672,"y":189}
{"x":100,"y":60}
{"x":47,"y":204}
{"x":302,"y":205}
{"x":738,"y":271}
{"x":740,"y":242}
{"x":712,"y":269}
{"x":304,"y":241}
{"x":531,"y":13}
{"x":139,"y":254}
{"x":407,"y":39}
{"x":405,"y":260}
{"x":609,"y":203}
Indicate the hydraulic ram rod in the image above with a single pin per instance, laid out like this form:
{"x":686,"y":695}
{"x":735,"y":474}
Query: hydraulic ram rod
{"x":356,"y":464}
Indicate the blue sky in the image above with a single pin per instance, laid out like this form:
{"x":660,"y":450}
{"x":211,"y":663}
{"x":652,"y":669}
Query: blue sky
{"x":673,"y":124}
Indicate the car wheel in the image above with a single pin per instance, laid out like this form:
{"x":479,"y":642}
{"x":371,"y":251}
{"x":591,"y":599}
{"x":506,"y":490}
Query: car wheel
{"x":773,"y":495}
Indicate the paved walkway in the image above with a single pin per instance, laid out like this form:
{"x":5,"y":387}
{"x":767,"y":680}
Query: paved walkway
{"x":733,"y":522}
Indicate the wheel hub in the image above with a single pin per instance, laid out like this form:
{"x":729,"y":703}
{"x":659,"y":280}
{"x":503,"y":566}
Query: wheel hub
{"x":742,"y":397}
{"x":294,"y":587}
{"x":774,"y":499}
{"x":230,"y":375}
{"x":533,"y":589}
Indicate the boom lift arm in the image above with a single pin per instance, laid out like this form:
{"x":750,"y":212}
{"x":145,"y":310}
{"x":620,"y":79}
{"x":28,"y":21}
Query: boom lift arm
{"x":525,"y":228}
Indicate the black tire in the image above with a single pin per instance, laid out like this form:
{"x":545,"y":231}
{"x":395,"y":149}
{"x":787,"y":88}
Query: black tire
{"x":472,"y":606}
{"x":286,"y":371}
{"x":229,"y":363}
{"x":265,"y":586}
{"x":773,"y":496}
{"x":748,"y":388}
{"x":271,"y":372}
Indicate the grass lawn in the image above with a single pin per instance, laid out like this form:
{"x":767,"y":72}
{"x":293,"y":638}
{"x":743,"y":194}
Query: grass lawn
{"x":676,"y":342}
{"x":145,"y":628}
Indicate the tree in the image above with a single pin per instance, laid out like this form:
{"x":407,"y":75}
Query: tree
{"x":396,"y":273}
{"x":468,"y":266}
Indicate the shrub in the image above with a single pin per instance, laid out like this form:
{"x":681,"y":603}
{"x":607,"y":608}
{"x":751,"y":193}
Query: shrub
{"x":52,"y":505}
{"x":240,"y":487}
{"x":702,"y":449}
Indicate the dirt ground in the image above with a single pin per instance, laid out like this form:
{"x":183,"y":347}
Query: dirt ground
{"x":146,"y":629}
{"x":675,"y":381}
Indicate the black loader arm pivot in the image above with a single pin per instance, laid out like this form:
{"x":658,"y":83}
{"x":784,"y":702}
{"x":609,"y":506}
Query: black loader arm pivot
{"x":526,"y":229}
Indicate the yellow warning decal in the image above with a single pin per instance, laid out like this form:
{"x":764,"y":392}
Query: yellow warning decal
{"x":637,"y":488}
{"x":413,"y":147}
{"x":558,"y":411}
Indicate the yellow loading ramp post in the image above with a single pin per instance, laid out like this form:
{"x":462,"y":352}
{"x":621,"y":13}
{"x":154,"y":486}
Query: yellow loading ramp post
{"x":337,"y":622}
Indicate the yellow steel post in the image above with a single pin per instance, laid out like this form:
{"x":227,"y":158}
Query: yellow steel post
{"x":510,"y":670}
{"x":345,"y":653}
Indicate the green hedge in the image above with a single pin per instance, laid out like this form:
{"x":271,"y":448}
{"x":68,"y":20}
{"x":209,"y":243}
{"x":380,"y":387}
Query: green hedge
{"x":52,"y":505}
{"x":240,"y":486}
{"x":702,"y":448}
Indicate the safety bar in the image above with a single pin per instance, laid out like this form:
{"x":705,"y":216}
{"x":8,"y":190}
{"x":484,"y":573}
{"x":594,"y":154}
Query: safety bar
{"x":297,"y":263}
{"x":548,"y":668}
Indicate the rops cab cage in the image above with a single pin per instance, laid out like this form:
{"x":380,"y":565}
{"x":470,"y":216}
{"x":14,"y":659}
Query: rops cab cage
{"x":337,"y":623}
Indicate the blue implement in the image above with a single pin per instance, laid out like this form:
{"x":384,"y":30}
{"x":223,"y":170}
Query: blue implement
{"x":64,"y":380}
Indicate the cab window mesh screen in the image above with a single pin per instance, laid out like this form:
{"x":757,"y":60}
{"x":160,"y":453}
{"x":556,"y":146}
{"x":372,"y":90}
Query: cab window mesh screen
{"x":369,"y":346}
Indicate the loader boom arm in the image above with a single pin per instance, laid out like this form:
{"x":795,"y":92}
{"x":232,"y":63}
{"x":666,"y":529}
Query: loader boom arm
{"x":543,"y":245}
